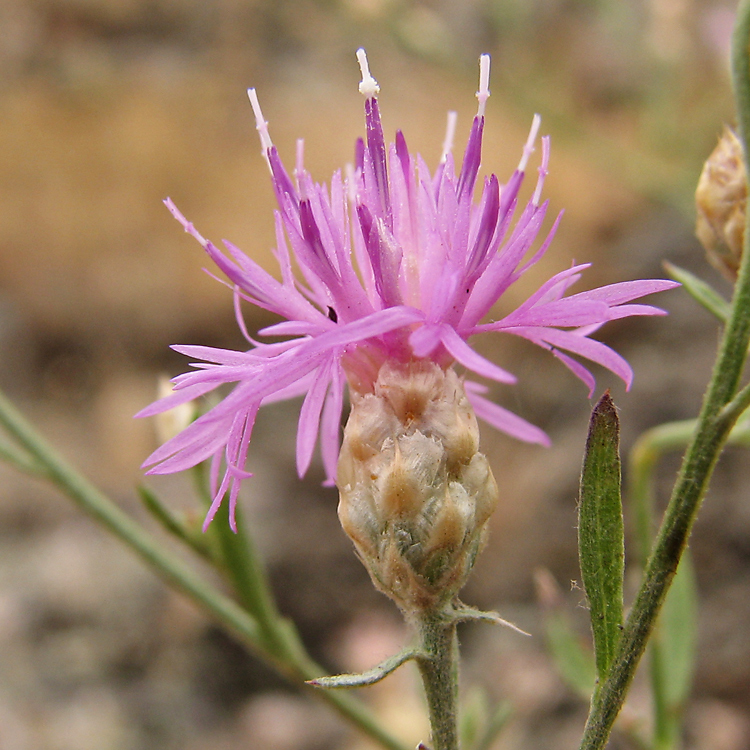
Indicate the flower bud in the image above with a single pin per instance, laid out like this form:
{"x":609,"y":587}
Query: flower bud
{"x":721,"y":198}
{"x":415,"y":493}
{"x":172,"y":422}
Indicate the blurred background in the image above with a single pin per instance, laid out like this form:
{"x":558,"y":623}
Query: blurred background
{"x":107,"y":107}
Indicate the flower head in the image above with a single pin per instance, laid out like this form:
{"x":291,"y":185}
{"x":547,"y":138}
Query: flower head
{"x":396,"y":265}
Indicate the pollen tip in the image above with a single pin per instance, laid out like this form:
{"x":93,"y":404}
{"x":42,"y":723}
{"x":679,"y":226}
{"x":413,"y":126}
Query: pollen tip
{"x":484,"y":83}
{"x":368,"y":86}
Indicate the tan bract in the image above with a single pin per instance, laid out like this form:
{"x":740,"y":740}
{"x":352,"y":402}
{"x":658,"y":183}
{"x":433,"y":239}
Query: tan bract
{"x":721,"y":200}
{"x":415,"y":493}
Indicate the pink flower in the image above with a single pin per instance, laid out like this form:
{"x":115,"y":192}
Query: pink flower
{"x":396,"y":264}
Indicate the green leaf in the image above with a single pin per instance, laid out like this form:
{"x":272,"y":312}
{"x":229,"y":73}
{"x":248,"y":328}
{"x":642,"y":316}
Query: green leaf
{"x":672,"y":656}
{"x":473,"y":717}
{"x":573,"y":660}
{"x":480,"y":725}
{"x":495,"y":725}
{"x":600,"y":531}
{"x":704,"y":294}
{"x":677,"y":630}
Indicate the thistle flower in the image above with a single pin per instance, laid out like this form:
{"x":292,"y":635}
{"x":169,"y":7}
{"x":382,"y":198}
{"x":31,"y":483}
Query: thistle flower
{"x":398,"y":269}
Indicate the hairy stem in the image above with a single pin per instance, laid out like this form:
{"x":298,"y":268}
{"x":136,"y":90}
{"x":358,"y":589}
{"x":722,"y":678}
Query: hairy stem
{"x":439,"y":669}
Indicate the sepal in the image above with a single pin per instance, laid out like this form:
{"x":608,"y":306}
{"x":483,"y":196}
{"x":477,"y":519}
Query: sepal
{"x":462,"y":613}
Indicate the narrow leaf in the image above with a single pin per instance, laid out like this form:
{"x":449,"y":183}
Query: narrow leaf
{"x":370,"y":677}
{"x":495,"y":725}
{"x":19,"y":458}
{"x":600,"y":532}
{"x":704,"y":294}
{"x":573,"y":660}
{"x":473,"y":717}
{"x":572,"y":656}
{"x":175,"y":525}
{"x":677,"y":630}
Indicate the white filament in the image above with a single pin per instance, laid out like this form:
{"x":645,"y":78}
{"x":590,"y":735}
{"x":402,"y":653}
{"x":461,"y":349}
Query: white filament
{"x":528,"y":148}
{"x":260,"y":125}
{"x":299,"y":166}
{"x":484,"y":83}
{"x":450,"y":132}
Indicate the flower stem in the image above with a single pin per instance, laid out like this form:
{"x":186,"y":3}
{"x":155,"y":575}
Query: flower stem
{"x":288,"y":656}
{"x":439,"y":668}
{"x":711,"y":433}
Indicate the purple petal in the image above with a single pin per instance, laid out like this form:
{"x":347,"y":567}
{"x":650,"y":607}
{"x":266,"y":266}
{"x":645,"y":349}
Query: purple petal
{"x":578,"y":370}
{"x":624,"y":291}
{"x":506,"y":421}
{"x":330,"y":430}
{"x":472,"y":158}
{"x":176,"y":399}
{"x":486,"y":230}
{"x":385,"y":256}
{"x":464,"y":354}
{"x":377,"y":152}
{"x":425,"y":340}
{"x":194,"y":444}
{"x":561,"y":313}
{"x":627,"y":311}
{"x":293,"y":328}
{"x":585,"y":347}
{"x":309,"y":418}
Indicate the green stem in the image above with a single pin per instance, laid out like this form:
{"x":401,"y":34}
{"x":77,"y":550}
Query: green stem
{"x":709,"y":438}
{"x":643,"y":460}
{"x":644,"y":457}
{"x":20,"y":459}
{"x":248,"y":576}
{"x":439,"y":669}
{"x":103,"y":510}
{"x":293,"y":663}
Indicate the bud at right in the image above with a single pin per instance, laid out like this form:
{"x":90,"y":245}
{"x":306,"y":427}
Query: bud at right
{"x":720,"y":199}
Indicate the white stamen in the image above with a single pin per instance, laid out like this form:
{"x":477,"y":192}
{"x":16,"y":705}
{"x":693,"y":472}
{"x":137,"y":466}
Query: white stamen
{"x":450,"y":132}
{"x":484,"y":83}
{"x":528,"y":149}
{"x":351,"y":183}
{"x":543,"y":172}
{"x":299,"y":166}
{"x":369,"y":86}
{"x":260,"y":125}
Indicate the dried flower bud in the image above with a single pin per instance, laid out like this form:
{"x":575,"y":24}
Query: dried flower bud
{"x":721,"y":198}
{"x":415,"y":493}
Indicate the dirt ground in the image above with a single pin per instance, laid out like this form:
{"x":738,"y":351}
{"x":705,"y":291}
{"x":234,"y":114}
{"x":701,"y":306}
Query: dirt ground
{"x":109,"y":106}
